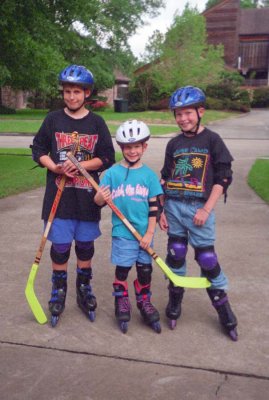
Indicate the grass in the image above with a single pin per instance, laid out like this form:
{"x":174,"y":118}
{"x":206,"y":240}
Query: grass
{"x":258,"y":178}
{"x":29,"y":121}
{"x":17,"y":174}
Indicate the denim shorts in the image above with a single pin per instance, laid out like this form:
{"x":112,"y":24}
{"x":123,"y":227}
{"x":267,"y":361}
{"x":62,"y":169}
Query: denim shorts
{"x":126,"y":252}
{"x":180,"y":216}
{"x":67,"y":230}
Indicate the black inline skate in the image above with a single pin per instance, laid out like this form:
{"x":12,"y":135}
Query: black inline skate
{"x":85,"y":297}
{"x":226,"y":316}
{"x":147,"y":310}
{"x":173,"y":309}
{"x":122,"y":305}
{"x":58,"y":295}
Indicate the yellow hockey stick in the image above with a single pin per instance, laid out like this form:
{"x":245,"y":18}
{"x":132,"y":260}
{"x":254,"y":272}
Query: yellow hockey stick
{"x":31,"y":297}
{"x":183,"y":281}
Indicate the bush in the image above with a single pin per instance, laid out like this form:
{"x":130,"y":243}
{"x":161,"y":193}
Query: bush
{"x":162,"y":104}
{"x":214,"y":104}
{"x":260,"y":97}
{"x":96,"y":105}
{"x":7,"y":110}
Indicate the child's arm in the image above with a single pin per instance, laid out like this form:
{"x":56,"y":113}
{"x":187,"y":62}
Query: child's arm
{"x":102,"y":195}
{"x":203,"y":213}
{"x":152,"y":219}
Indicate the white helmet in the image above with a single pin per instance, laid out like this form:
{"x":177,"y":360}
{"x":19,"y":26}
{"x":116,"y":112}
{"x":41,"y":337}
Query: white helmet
{"x":132,"y":132}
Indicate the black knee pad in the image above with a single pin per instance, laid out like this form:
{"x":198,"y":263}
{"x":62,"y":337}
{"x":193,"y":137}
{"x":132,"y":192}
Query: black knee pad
{"x":121,"y":273}
{"x":177,"y":248}
{"x":208,"y":261}
{"x":84,"y":250}
{"x":144,"y":272}
{"x":60,"y":253}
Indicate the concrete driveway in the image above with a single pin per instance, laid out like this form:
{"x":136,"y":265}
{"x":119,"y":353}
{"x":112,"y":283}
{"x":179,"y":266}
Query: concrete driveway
{"x":95,"y":361}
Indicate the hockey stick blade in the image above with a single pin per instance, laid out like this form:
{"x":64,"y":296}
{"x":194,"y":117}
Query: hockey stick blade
{"x":183,"y":281}
{"x":33,"y":302}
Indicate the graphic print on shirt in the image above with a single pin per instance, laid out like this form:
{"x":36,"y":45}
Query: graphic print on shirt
{"x":85,"y":151}
{"x":189,"y":173}
{"x":135,"y":193}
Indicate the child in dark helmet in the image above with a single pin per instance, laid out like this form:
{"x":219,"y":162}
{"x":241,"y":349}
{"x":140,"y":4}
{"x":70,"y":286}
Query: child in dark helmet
{"x":134,"y":188}
{"x":196,"y":173}
{"x":77,"y":217}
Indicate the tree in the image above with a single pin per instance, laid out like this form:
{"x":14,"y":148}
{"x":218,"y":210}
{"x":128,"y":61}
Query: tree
{"x":40,"y":37}
{"x":186,"y":57}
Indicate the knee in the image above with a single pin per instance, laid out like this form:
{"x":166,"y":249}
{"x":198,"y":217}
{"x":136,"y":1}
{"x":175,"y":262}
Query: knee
{"x":144,"y":272}
{"x":84,"y":250}
{"x":60,"y":253}
{"x":122,"y":273}
{"x":176,"y":251}
{"x":208,"y":261}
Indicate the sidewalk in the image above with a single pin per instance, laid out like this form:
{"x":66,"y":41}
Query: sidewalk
{"x":95,"y":361}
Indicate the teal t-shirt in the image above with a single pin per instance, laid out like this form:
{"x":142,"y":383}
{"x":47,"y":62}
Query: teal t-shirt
{"x":131,"y":190}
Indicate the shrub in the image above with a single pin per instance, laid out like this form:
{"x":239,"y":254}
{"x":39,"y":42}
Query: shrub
{"x":161,"y":104}
{"x":97,"y":105}
{"x":7,"y":110}
{"x":260,"y":97}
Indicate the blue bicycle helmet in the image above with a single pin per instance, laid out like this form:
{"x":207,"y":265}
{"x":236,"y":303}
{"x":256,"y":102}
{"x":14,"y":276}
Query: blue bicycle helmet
{"x":78,"y":75}
{"x":187,"y":96}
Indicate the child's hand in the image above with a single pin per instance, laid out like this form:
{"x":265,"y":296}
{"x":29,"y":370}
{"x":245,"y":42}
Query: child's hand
{"x":103,"y":195}
{"x":146,"y":240}
{"x":69,"y":169}
{"x":200,"y":217}
{"x":163,"y":222}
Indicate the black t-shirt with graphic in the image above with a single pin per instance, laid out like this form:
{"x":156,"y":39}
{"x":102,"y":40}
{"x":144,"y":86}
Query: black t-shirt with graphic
{"x":194,"y":164}
{"x":54,"y":138}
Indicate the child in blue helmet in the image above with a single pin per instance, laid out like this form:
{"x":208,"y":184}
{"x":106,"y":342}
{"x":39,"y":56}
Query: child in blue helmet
{"x":134,"y":188}
{"x":77,"y":217}
{"x":196,"y":173}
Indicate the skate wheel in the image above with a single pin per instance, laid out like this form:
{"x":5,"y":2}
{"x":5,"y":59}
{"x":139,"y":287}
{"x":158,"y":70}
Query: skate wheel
{"x":92,"y":316}
{"x":124,"y":326}
{"x":172,"y":323}
{"x":156,"y":326}
{"x":233,"y":335}
{"x":54,"y":320}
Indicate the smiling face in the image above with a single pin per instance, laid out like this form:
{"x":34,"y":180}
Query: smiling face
{"x":187,"y":118}
{"x":74,"y":96}
{"x":133,"y":152}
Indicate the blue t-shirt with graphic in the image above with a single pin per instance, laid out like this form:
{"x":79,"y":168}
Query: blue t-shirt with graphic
{"x":131,"y":190}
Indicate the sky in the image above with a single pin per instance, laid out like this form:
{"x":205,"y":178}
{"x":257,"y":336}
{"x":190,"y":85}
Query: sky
{"x":162,"y":22}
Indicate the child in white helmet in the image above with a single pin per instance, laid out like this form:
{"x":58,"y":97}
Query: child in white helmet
{"x":133,"y":187}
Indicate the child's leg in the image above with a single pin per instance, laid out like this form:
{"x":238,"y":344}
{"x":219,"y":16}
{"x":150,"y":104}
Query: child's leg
{"x":143,"y":294}
{"x":85,"y":297}
{"x":122,"y":303}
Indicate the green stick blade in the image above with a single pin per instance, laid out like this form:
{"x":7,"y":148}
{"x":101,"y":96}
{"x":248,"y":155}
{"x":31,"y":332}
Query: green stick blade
{"x":183,"y":281}
{"x":33,"y":302}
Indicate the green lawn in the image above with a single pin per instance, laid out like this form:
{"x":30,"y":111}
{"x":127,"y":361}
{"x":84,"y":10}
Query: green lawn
{"x":17,"y":172}
{"x":29,"y":121}
{"x":258,"y":178}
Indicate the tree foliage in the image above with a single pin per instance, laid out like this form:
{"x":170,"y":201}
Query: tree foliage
{"x":186,"y":57}
{"x":40,"y":37}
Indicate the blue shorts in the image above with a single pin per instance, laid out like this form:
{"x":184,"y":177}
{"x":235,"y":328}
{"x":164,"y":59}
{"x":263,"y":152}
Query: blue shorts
{"x":67,"y":230}
{"x":126,"y":252}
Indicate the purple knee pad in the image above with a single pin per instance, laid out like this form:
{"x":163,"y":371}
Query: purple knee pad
{"x":207,"y":260}
{"x":177,"y":250}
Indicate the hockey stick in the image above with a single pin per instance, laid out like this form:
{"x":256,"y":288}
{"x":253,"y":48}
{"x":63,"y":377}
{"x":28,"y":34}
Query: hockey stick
{"x":33,"y":302}
{"x":183,"y":281}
